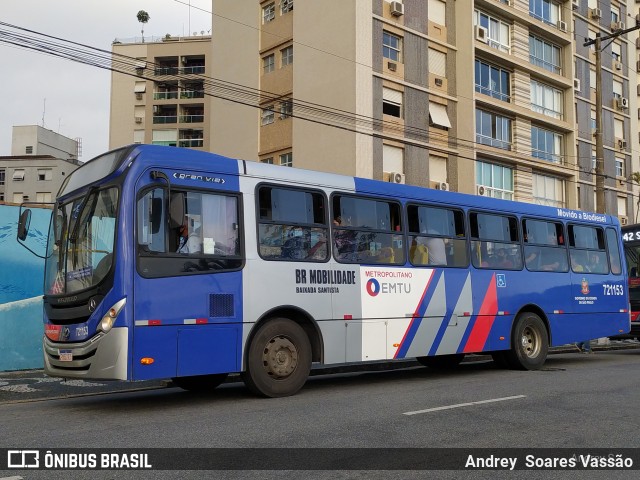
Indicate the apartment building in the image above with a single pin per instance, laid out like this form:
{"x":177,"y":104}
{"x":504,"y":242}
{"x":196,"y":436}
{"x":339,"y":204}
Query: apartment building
{"x":39,"y":162}
{"x":489,"y":97}
{"x":164,"y":102}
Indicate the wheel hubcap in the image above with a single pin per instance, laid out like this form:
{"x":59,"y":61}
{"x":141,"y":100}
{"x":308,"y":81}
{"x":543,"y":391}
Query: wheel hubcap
{"x":531,"y":342}
{"x":280,"y":357}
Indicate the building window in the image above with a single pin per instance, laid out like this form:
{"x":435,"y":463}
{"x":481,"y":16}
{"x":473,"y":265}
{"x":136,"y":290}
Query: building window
{"x":616,"y":52}
{"x":268,"y":115}
{"x":594,"y":160}
{"x":269,"y":63}
{"x":438,"y":117}
{"x":43,"y":197}
{"x":391,"y":102}
{"x":44,"y":174}
{"x":2,"y":174}
{"x":546,"y":144}
{"x":391,"y":46}
{"x":1,"y":196}
{"x":28,"y":150}
{"x":268,"y":161}
{"x":268,"y":13}
{"x":18,"y":175}
{"x":286,"y":159}
{"x":544,"y":54}
{"x":617,"y":89}
{"x":546,"y":100}
{"x":286,"y":6}
{"x":493,"y":129}
{"x":498,"y":32}
{"x":392,"y":159}
{"x":545,"y":10}
{"x":492,"y":81}
{"x":548,"y":191}
{"x":286,"y":109}
{"x":496,"y":180}
{"x":437,"y":11}
{"x":18,"y":197}
{"x":619,"y":167}
{"x":615,"y":14}
{"x":287,"y":55}
{"x":437,"y":62}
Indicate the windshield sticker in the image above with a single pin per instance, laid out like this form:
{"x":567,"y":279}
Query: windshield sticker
{"x":78,"y":274}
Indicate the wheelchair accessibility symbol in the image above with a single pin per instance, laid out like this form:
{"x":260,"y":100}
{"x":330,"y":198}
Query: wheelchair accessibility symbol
{"x":501,"y":280}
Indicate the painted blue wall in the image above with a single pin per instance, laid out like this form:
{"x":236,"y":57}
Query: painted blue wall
{"x":21,"y":278}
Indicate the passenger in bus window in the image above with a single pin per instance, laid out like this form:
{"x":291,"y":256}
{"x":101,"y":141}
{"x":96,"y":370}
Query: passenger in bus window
{"x":576,"y":266}
{"x":189,"y":239}
{"x":502,"y":260}
{"x":594,"y":265}
{"x":436,"y":248}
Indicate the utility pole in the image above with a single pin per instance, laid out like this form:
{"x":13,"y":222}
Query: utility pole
{"x":600,"y":176}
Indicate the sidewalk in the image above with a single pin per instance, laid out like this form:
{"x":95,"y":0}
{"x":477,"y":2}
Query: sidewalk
{"x":34,"y":385}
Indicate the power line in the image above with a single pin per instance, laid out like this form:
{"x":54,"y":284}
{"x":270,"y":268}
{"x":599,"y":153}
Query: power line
{"x":248,"y":96}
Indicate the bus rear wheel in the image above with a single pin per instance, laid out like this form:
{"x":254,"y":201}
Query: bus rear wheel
{"x":442,"y":362}
{"x":278,"y":359}
{"x":200,"y":383}
{"x":529,"y":343}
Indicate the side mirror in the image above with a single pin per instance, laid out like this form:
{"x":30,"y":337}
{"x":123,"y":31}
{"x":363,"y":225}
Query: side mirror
{"x":23,"y":224}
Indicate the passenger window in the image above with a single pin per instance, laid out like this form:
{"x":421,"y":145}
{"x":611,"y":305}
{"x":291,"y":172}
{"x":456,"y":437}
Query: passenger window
{"x":544,"y":246}
{"x":588,"y":245}
{"x":367,"y":231}
{"x":194,"y":232}
{"x":495,"y":242}
{"x":436,"y":237}
{"x":292,"y":225}
{"x":614,"y":251}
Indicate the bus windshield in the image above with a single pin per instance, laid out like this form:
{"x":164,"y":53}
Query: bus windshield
{"x":81,"y":242}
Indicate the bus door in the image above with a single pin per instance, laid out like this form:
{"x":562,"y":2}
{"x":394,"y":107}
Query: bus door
{"x":187,"y":281}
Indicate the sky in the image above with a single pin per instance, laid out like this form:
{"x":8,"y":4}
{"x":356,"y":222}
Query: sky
{"x":71,"y":98}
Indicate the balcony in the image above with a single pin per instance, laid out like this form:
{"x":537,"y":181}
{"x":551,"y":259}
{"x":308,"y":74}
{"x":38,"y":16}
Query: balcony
{"x":191,"y":118}
{"x":193,"y":70}
{"x":187,"y":94}
{"x":173,"y":95}
{"x":191,"y":143}
{"x":160,"y":119}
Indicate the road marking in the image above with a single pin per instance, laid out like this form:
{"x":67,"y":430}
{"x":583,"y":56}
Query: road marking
{"x":11,"y":478}
{"x":459,"y":405}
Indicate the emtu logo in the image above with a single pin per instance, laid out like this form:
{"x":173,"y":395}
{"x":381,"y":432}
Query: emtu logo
{"x":373,"y":287}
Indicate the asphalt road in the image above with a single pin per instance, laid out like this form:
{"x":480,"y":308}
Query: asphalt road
{"x":576,"y":401}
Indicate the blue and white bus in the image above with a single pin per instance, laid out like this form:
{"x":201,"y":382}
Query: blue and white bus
{"x":290,"y":268}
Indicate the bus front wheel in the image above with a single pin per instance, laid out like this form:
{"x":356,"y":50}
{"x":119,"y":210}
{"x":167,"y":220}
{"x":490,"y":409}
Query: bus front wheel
{"x":200,"y":383}
{"x":278,"y":359}
{"x":529,"y":343}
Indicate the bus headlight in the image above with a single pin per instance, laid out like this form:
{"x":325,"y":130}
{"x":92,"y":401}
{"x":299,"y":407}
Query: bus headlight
{"x":110,"y":317}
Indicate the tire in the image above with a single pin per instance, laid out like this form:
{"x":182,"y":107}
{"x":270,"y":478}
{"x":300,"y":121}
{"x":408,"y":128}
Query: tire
{"x":529,"y":343}
{"x":200,"y":383}
{"x":442,"y":362}
{"x":278,"y":359}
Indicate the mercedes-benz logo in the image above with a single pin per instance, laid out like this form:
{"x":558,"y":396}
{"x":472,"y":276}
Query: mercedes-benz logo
{"x":92,"y":305}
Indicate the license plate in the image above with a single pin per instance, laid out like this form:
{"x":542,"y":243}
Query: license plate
{"x":65,"y":355}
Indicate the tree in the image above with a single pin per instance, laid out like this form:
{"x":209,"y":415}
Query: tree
{"x":635,"y":178}
{"x":143,"y":17}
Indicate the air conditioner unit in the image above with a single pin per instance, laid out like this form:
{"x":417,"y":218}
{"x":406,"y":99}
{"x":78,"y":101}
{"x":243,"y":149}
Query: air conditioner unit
{"x":622,"y":103}
{"x":622,"y":143}
{"x":442,"y":186}
{"x":138,"y":119}
{"x":575,"y":4}
{"x":396,"y":177}
{"x":618,"y":66}
{"x":481,"y":33}
{"x":617,"y":26}
{"x":596,"y":13}
{"x":138,"y":96}
{"x":397,"y":9}
{"x":576,"y":84}
{"x":438,"y":82}
{"x":183,"y":60}
{"x":623,"y":220}
{"x":392,"y":66}
{"x":481,"y":190}
{"x":562,"y":26}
